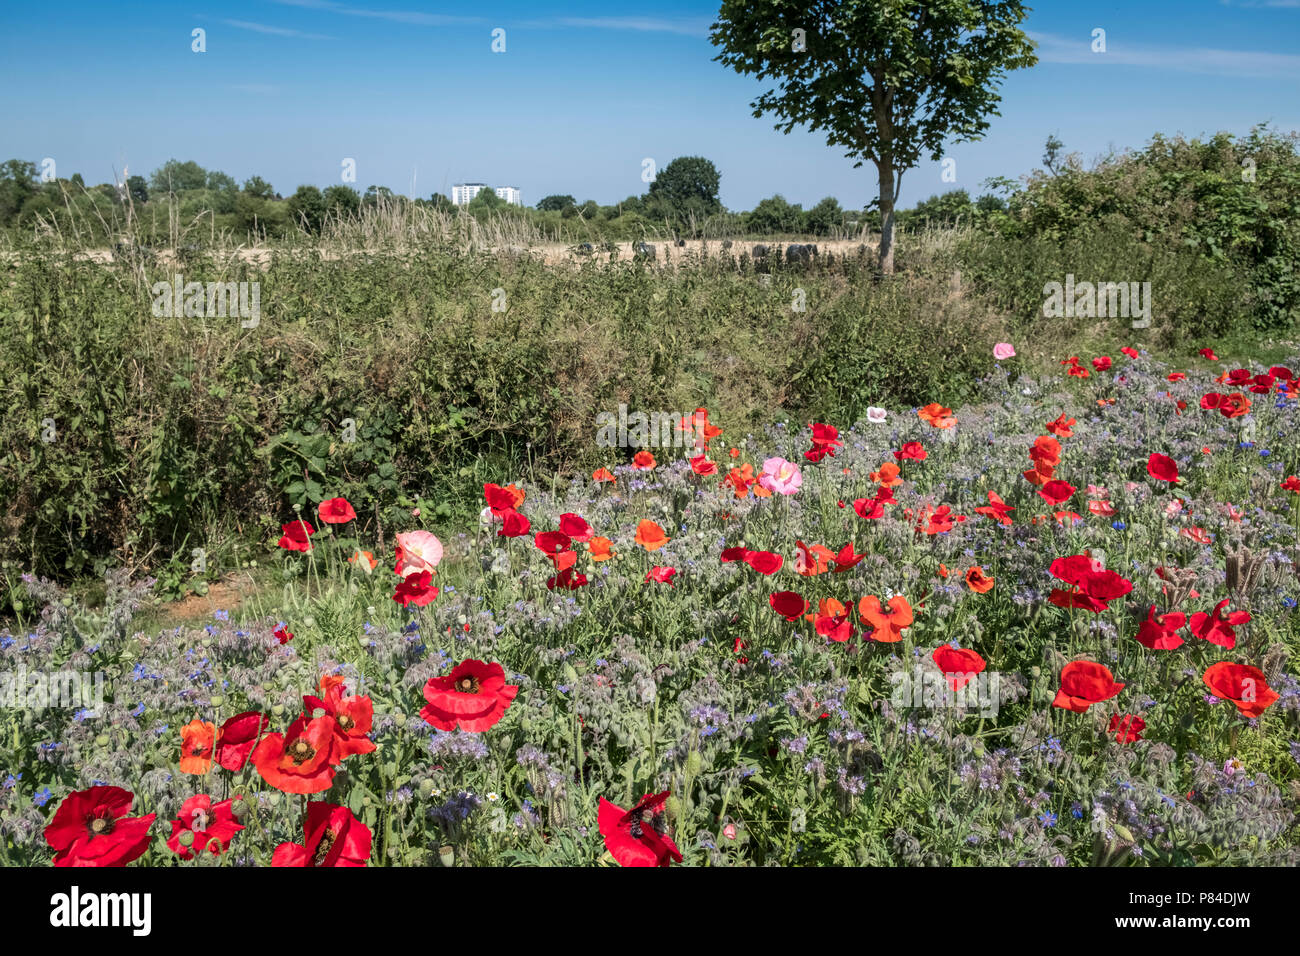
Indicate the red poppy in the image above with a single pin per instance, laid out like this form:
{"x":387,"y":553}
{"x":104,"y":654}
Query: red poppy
{"x":644,"y":460}
{"x":764,"y":562}
{"x":567,"y":580}
{"x":869,"y":508}
{"x":826,"y":437}
{"x":336,"y":511}
{"x":1199,"y":535}
{"x":553,"y":542}
{"x":1162,"y":467}
{"x":1217,"y":628}
{"x":660,"y":574}
{"x":788,"y":604}
{"x":415,"y":589}
{"x":1234,"y":405}
{"x":703,"y":467}
{"x":474,"y":696}
{"x":1096,"y":586}
{"x":1281,"y":372}
{"x":1209,"y":354}
{"x":513,"y":525}
{"x":211,"y":825}
{"x":502,"y":499}
{"x":847,"y":559}
{"x":977,"y":581}
{"x":237,"y":738}
{"x":91,"y":828}
{"x":832,"y":620}
{"x":1160,"y":632}
{"x":1101,"y":363}
{"x":282,"y":634}
{"x":575,"y":526}
{"x":1056,"y":492}
{"x":1239,"y":377}
{"x":887,"y":625}
{"x":912,"y":450}
{"x":959,"y":666}
{"x":997,"y":509}
{"x":1078,"y":371}
{"x":296,"y":536}
{"x":301,"y":760}
{"x":1176,"y":376}
{"x":1131,"y":353}
{"x":1242,"y":684}
{"x":1127,"y":728}
{"x":353,"y":716}
{"x":638,"y":837}
{"x":1061,"y":426}
{"x":1084,"y":683}
{"x":332,"y":836}
{"x":1292,"y":484}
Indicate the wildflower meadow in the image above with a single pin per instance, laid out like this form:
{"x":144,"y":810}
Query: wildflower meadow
{"x":1057,"y":627}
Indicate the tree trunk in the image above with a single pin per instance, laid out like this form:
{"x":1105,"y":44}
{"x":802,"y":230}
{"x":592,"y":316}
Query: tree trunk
{"x":885,"y":168}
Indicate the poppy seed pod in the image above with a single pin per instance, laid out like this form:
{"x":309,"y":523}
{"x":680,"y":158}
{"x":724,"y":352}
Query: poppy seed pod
{"x":447,"y":855}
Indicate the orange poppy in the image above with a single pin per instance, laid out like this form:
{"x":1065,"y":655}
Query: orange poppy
{"x":644,"y":460}
{"x":602,"y":474}
{"x":887,"y":625}
{"x":937,"y":415}
{"x":887,"y":475}
{"x":813,"y":560}
{"x":198,"y":738}
{"x":1235,"y":405}
{"x":364,"y":560}
{"x":599,"y":548}
{"x":832,"y":620}
{"x":650,"y":536}
{"x":977,"y":581}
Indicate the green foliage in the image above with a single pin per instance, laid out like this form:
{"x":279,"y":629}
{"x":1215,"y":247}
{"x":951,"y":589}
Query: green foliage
{"x":685,"y":192}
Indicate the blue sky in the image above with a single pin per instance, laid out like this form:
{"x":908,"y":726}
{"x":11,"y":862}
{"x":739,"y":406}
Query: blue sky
{"x":584,"y":92}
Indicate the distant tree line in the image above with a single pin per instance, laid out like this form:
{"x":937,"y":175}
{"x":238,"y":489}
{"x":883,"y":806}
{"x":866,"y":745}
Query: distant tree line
{"x":682,"y":200}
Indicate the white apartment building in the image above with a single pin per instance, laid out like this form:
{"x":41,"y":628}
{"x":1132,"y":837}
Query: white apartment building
{"x":462,"y":193}
{"x":511,"y":195}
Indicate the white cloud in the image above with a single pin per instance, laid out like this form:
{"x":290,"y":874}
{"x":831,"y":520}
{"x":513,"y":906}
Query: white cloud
{"x":1053,"y":48}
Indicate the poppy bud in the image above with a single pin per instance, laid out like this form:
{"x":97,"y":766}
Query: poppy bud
{"x":426,"y":788}
{"x":186,"y":838}
{"x":217,"y":700}
{"x":673,"y":807}
{"x":309,"y":621}
{"x":399,"y":717}
{"x":206,"y":642}
{"x":693,"y":763}
{"x":1124,"y":833}
{"x":238,"y":808}
{"x":570,"y":675}
{"x":318,"y":713}
{"x":277,"y":710}
{"x":101,"y":740}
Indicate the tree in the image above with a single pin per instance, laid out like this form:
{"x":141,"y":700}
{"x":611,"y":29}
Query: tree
{"x":307,"y":208}
{"x":375,"y":194}
{"x":341,"y":200}
{"x":138,"y":189}
{"x":174,"y":176}
{"x":887,"y":80}
{"x":555,"y":203}
{"x":258,"y":188}
{"x":685,"y":190}
{"x":485,"y":201}
{"x":943,"y":210}
{"x":17,"y":185}
{"x":823,"y":217}
{"x":441,"y":203}
{"x":774,"y":215}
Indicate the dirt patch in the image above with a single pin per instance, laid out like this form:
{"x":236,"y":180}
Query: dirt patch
{"x":226,"y":594}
